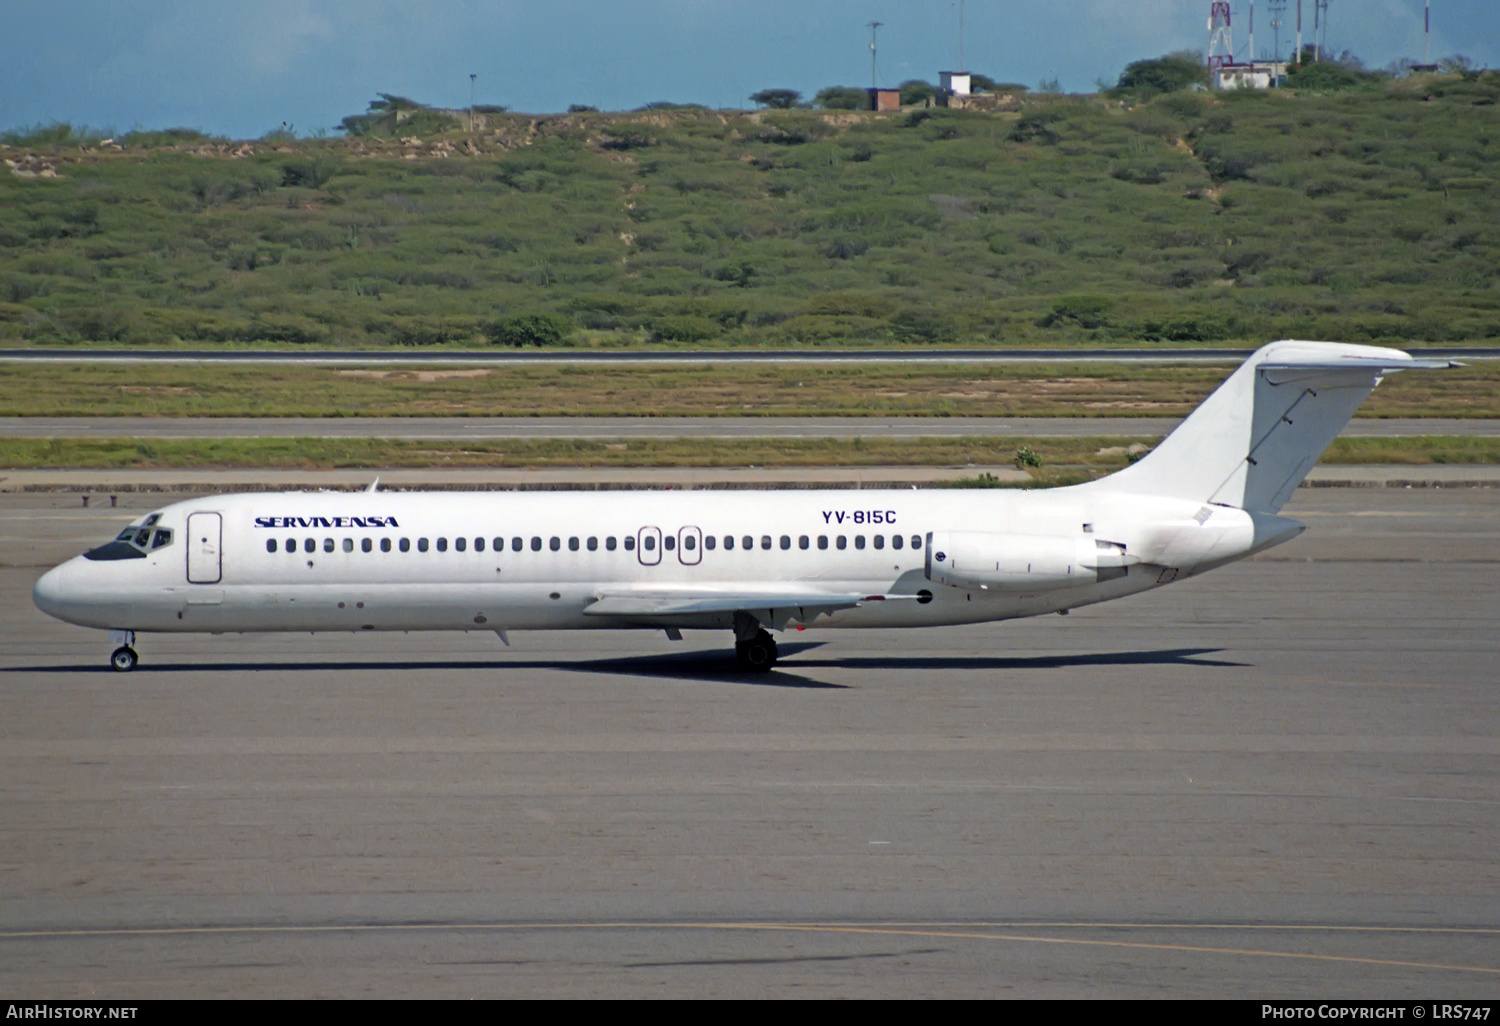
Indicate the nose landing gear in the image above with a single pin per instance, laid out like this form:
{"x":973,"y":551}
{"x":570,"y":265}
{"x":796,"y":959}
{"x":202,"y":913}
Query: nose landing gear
{"x":124,"y":657}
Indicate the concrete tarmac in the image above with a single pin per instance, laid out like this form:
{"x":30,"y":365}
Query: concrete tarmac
{"x":1280,"y":780}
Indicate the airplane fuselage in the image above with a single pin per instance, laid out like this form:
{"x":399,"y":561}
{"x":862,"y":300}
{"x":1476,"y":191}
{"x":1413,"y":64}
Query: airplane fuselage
{"x":501,"y":561}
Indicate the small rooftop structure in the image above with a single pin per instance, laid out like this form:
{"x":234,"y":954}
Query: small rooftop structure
{"x":955,"y":83}
{"x":884,"y":99}
{"x":1253,"y":75}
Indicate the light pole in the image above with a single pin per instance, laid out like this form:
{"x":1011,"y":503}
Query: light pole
{"x":472,"y":77}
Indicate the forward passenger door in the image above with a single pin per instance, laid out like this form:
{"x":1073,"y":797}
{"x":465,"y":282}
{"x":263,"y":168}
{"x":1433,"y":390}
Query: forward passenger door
{"x":204,"y":532}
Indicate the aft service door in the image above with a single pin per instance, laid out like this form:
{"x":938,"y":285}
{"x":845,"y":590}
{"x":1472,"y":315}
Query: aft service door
{"x":203,"y":543}
{"x":690,"y":545}
{"x":648,"y":545}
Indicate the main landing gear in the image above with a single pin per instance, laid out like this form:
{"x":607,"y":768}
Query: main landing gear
{"x":123,"y":658}
{"x":753,"y":645}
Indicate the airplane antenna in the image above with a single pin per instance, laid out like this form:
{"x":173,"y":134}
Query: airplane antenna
{"x":374,"y":486}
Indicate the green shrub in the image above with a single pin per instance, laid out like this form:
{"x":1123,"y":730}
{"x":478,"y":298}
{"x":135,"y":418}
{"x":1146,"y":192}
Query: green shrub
{"x":1181,"y":70}
{"x":537,"y":329}
{"x":842,"y":98}
{"x":690,"y":328}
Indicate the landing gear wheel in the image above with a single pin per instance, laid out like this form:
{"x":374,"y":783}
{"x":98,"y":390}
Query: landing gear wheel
{"x":758,"y":654}
{"x":123,"y":659}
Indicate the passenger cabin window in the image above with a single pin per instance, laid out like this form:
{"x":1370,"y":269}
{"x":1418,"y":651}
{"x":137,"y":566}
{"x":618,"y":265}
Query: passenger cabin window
{"x":895,"y":541}
{"x":728,"y":542}
{"x":916,"y":541}
{"x":765,"y":541}
{"x":310,"y":545}
{"x":421,"y":544}
{"x":786,"y":541}
{"x":709,"y":541}
{"x":385,"y":545}
{"x":822,"y":541}
{"x":748,"y":542}
{"x":405,"y":544}
{"x":555,"y":544}
{"x":609,"y":543}
{"x":536,"y":544}
{"x":841,"y":542}
{"x":803,"y":542}
{"x":689,"y":544}
{"x":669,"y":543}
{"x":459,"y":544}
{"x":270,"y":544}
{"x":348,"y":544}
{"x":593,"y":544}
{"x":442,"y":544}
{"x":629,"y":544}
{"x":572,"y":544}
{"x":859,"y":541}
{"x":365,"y":545}
{"x":650,"y":543}
{"x":880,"y":541}
{"x":478,"y":545}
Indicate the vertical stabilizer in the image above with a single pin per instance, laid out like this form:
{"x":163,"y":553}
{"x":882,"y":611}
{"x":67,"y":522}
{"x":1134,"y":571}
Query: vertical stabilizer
{"x":1251,"y":442}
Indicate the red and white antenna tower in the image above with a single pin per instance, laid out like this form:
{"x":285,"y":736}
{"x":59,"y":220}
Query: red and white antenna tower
{"x":1220,"y":44}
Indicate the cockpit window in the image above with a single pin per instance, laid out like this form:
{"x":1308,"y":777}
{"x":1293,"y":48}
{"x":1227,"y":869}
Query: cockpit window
{"x":133,"y":542}
{"x":117,"y":549}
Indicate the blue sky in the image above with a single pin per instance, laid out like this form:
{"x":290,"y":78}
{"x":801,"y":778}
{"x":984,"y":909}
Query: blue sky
{"x":241,"y":69}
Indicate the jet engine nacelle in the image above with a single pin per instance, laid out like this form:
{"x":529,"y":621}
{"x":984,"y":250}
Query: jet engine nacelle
{"x":989,"y":561}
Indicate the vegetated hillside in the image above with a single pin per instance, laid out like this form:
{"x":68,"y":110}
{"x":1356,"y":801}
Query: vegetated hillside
{"x":1193,"y":217}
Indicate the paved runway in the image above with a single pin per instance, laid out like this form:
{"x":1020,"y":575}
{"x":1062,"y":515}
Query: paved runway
{"x":485,"y":428}
{"x":1281,"y":779}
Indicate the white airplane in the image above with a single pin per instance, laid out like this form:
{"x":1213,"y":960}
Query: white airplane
{"x":746,"y":561}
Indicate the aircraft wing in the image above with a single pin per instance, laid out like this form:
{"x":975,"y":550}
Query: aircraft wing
{"x":776,"y":606}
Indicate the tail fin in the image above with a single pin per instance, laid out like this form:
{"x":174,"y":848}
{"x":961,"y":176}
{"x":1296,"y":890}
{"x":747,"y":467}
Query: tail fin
{"x":1252,"y":441}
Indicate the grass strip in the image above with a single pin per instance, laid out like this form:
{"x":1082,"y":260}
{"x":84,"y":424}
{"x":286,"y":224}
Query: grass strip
{"x":945,"y":390}
{"x":1056,"y":455}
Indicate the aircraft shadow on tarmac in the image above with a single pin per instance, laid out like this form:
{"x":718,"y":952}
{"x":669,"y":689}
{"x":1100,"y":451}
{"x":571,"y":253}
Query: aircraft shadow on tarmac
{"x":703,"y":665}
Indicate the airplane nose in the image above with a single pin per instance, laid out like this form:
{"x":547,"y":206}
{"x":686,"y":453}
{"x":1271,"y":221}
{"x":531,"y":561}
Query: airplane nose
{"x":51,"y":592}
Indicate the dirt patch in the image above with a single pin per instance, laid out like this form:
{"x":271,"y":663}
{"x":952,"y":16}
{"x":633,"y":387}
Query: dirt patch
{"x":417,"y":375}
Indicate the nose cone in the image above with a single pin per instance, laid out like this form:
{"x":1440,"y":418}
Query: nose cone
{"x":56,"y":590}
